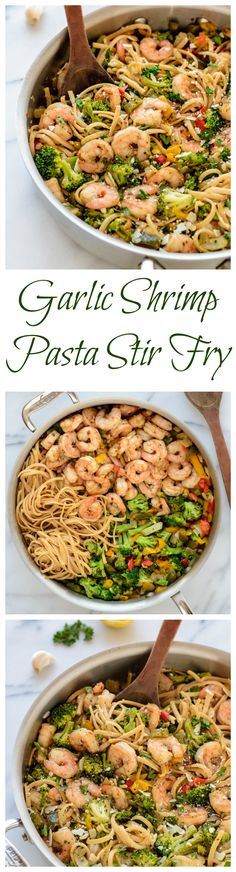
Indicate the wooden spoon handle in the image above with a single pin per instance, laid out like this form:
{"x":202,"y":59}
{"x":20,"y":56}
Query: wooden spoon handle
{"x":78,"y":39}
{"x":221,"y":449}
{"x":151,"y":671}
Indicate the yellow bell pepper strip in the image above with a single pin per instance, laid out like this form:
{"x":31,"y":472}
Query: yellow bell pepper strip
{"x":87,"y":723}
{"x":172,"y":152}
{"x":140,"y":784}
{"x":88,"y":821}
{"x":198,"y":466}
{"x":108,"y":583}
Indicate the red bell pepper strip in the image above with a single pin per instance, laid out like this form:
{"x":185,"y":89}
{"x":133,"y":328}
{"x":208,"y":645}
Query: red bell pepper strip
{"x":130,"y":563}
{"x":193,"y":783}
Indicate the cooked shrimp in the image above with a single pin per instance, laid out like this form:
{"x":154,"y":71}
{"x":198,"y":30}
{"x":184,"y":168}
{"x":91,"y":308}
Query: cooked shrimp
{"x":117,"y":793}
{"x":98,"y":485}
{"x":123,"y":758}
{"x":160,"y":505}
{"x":55,"y":457}
{"x":131,"y":142}
{"x":121,"y":486}
{"x":137,"y":421}
{"x":63,"y":841}
{"x":153,"y":430}
{"x":83,"y":739}
{"x":149,"y":487}
{"x":131,"y":492}
{"x":161,"y":792}
{"x":62,"y":763}
{"x":161,"y":422}
{"x":89,"y":439}
{"x":153,"y":713}
{"x":90,"y":509}
{"x":69,"y":444}
{"x":171,"y":488}
{"x":210,"y":689}
{"x":225,"y":109}
{"x":180,"y":242}
{"x":150,"y":111}
{"x":122,"y":429}
{"x":211,"y":754}
{"x":89,"y":415}
{"x":99,"y":196}
{"x":176,"y":451}
{"x":70,"y":474}
{"x":105,"y":469}
{"x":49,"y":440}
{"x":184,"y":86}
{"x":85,"y":467}
{"x":223,"y":714}
{"x":220,"y":802}
{"x":127,"y":410}
{"x":192,"y":480}
{"x":54,"y":794}
{"x":137,"y":471}
{"x":168,"y":174}
{"x":156,"y":50}
{"x":166,"y":750}
{"x":115,"y":504}
{"x":108,"y":421}
{"x":179,"y":472}
{"x":141,"y":200}
{"x":165,"y":683}
{"x":46,"y":734}
{"x":192,"y":816}
{"x":94,"y":156}
{"x":71,"y":423}
{"x":110,"y":93}
{"x":54,"y":113}
{"x":155,"y":451}
{"x":78,"y":797}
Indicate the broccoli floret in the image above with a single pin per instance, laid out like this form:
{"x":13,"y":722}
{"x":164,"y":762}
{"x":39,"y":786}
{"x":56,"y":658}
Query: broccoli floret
{"x":61,"y":738}
{"x":146,"y":541}
{"x":94,"y":589}
{"x":203,"y":211}
{"x":138,"y":504}
{"x":150,"y":71}
{"x":192,"y":511}
{"x":97,"y":568}
{"x":48,"y":162}
{"x":93,"y":547}
{"x":121,"y":227}
{"x":195,"y":795}
{"x":97,"y":767}
{"x":171,"y":201}
{"x":99,"y":809}
{"x":145,"y":806}
{"x":129,"y":722}
{"x":120,"y":562}
{"x":71,"y":179}
{"x":36,"y":773}
{"x":176,"y":519}
{"x":124,"y":171}
{"x":144,"y":858}
{"x":213,"y":123}
{"x":62,"y":714}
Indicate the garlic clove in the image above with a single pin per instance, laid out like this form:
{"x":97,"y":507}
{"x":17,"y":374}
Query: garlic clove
{"x":33,"y":14}
{"x":41,"y":659}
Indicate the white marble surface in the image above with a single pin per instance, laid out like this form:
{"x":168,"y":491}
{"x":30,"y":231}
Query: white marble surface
{"x":211,"y":594}
{"x":23,"y":684}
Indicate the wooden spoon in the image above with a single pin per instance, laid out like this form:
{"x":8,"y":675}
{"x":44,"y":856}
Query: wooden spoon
{"x":208,"y":403}
{"x":83,"y":70}
{"x":144,"y":688}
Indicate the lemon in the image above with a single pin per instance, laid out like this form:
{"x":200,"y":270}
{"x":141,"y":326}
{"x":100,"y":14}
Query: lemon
{"x":116,"y":623}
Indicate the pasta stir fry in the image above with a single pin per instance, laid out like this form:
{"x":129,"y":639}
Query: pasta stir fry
{"x":116,"y":502}
{"x":146,"y":160}
{"x":118,"y":783}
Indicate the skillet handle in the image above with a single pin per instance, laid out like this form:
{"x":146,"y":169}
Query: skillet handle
{"x":13,"y":856}
{"x":182,"y":604}
{"x":38,"y":402}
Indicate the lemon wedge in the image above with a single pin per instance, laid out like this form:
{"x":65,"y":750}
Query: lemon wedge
{"x":116,"y":623}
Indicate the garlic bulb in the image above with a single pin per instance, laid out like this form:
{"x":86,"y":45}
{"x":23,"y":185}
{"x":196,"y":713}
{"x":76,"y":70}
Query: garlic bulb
{"x":33,"y":14}
{"x":41,"y":659}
